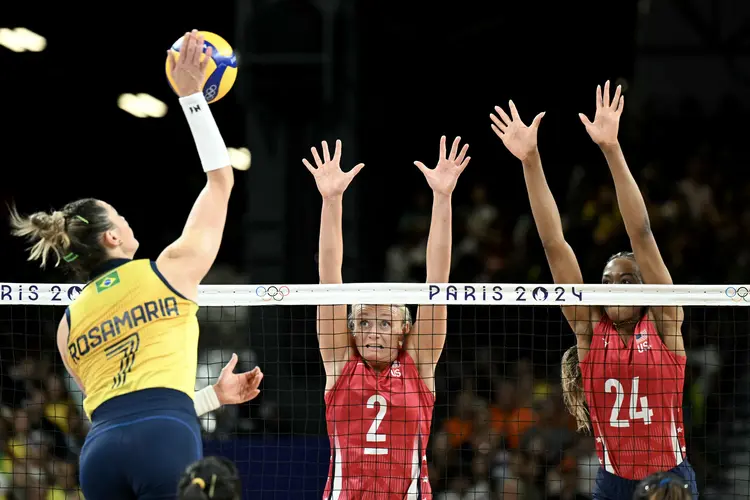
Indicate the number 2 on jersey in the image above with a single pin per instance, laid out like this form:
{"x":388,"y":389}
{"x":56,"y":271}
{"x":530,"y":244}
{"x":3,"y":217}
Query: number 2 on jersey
{"x":644,"y":413}
{"x":372,"y":434}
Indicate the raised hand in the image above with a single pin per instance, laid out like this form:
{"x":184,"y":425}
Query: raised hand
{"x":329,"y":177}
{"x":443,"y":178}
{"x":235,"y":388}
{"x":603,"y":130}
{"x":188,"y":71}
{"x":520,"y":140}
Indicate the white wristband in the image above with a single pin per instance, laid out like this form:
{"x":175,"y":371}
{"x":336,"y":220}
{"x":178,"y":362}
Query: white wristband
{"x":206,"y":401}
{"x":211,"y":148}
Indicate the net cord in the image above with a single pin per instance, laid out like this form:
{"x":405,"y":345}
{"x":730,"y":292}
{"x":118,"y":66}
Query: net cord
{"x":419,"y":293}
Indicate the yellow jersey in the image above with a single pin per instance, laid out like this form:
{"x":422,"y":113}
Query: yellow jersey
{"x":129,"y":331}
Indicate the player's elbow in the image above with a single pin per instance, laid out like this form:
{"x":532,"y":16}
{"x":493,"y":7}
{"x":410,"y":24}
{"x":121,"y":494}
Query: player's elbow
{"x":221,"y":181}
{"x":554,"y":244}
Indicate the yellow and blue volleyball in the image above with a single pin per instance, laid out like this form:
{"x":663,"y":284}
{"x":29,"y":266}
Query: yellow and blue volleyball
{"x":221,"y":71}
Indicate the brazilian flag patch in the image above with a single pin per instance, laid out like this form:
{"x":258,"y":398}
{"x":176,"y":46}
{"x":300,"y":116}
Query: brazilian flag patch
{"x":107,"y":282}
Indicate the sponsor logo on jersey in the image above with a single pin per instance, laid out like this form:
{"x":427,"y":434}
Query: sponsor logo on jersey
{"x":396,"y":369}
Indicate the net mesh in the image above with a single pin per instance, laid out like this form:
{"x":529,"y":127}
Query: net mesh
{"x":499,"y":428}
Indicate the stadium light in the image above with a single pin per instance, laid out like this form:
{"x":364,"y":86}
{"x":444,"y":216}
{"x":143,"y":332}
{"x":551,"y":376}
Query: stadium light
{"x":240,"y":158}
{"x":142,"y":105}
{"x":22,"y":40}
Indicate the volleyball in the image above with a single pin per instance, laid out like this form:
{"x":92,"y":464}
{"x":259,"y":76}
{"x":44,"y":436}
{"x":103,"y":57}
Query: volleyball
{"x":221,"y":71}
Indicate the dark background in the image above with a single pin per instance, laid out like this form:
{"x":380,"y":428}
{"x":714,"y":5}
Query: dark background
{"x":389,"y":78}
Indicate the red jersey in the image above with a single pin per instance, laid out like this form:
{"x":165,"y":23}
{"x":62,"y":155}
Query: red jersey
{"x":634,"y":395}
{"x":379,"y":425}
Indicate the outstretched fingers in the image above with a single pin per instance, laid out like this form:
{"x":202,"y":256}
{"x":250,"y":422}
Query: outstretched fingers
{"x":353,"y":172}
{"x":616,"y":99}
{"x":337,"y":151}
{"x":316,"y":157}
{"x":309,"y":166}
{"x":504,"y":118}
{"x":454,"y":149}
{"x":422,"y":167}
{"x":537,"y":120}
{"x":605,"y":97}
{"x":462,"y":155}
{"x":513,"y":111}
{"x":464,"y":163}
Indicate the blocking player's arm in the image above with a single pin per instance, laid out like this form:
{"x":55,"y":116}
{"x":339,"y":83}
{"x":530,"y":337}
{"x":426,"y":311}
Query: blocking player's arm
{"x":187,"y":261}
{"x":668,"y":319}
{"x":333,"y":334}
{"x":562,"y":261}
{"x":63,"y":333}
{"x":426,"y":341}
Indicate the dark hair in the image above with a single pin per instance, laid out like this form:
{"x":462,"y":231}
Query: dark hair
{"x":622,"y":255}
{"x":72,"y":235}
{"x":629,"y":256}
{"x":213,"y":478}
{"x":663,"y":486}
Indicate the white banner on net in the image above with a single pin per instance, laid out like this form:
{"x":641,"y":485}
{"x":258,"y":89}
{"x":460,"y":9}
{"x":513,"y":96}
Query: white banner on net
{"x":419,"y":293}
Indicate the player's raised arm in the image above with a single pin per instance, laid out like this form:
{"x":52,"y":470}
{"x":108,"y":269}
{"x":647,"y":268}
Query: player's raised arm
{"x":603,"y":131}
{"x":425,"y":344}
{"x":521,"y":141}
{"x":186,"y":261}
{"x":333,"y":335}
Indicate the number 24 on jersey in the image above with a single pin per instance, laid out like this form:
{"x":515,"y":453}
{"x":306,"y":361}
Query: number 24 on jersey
{"x":645,"y":413}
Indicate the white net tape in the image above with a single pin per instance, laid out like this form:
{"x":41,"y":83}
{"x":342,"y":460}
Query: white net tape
{"x":414,"y":293}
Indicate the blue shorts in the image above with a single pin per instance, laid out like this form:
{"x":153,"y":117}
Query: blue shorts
{"x":139,"y":446}
{"x":611,"y":487}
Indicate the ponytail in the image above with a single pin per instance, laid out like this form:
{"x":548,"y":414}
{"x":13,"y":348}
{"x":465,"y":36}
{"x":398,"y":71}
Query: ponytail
{"x":213,"y":478}
{"x":663,"y":486}
{"x":572,"y":386}
{"x":71,"y":235}
{"x":194,"y":491}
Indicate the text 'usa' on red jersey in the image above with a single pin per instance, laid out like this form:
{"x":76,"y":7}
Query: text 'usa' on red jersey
{"x":634,"y":395}
{"x":379,"y":425}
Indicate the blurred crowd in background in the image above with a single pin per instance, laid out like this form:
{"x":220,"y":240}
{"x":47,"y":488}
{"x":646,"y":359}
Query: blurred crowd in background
{"x":503,"y":432}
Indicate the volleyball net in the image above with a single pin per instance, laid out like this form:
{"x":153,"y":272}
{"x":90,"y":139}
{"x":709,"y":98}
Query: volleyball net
{"x":499,"y":426}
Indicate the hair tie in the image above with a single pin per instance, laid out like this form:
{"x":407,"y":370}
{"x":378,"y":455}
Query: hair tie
{"x":212,"y":489}
{"x":200,"y":482}
{"x":70,"y":257}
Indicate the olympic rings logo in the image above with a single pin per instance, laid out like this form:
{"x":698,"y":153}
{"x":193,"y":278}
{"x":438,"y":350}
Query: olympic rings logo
{"x":210,"y":92}
{"x":738,"y":294}
{"x":276,"y":293}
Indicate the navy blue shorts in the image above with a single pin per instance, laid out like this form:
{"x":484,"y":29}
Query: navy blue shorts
{"x":139,"y":446}
{"x":611,"y":487}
